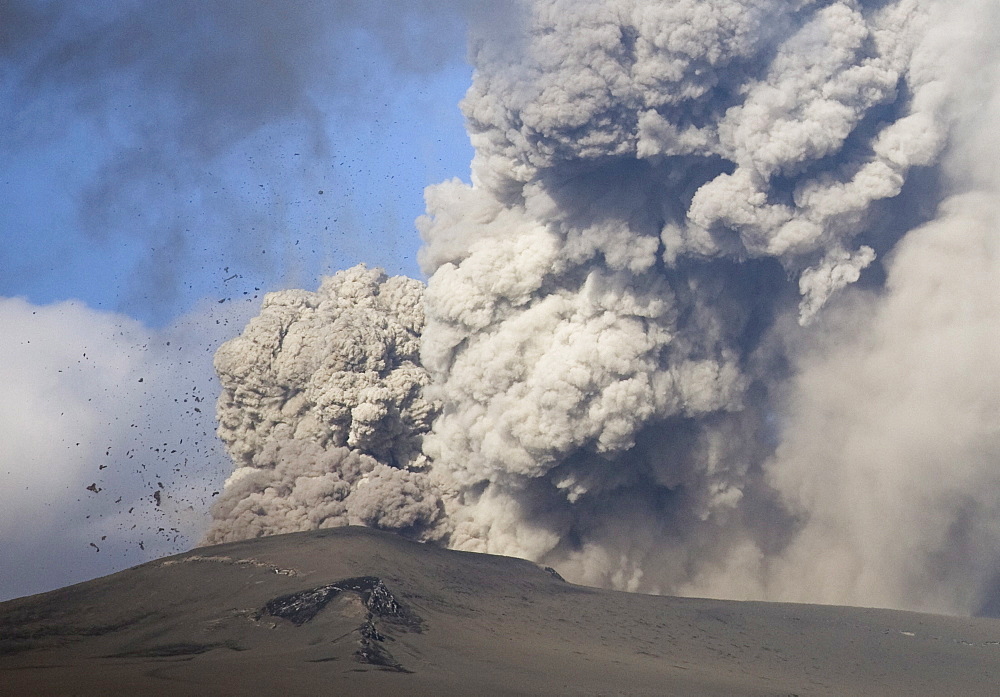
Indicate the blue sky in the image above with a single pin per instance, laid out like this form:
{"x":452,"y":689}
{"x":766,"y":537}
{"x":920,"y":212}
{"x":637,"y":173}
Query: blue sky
{"x":112,"y":201}
{"x":163,"y":167}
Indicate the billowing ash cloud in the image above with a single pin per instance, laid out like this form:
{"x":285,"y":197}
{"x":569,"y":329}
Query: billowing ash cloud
{"x":760,"y":130}
{"x":322,"y":410}
{"x":657,"y":185}
{"x":687,"y":329}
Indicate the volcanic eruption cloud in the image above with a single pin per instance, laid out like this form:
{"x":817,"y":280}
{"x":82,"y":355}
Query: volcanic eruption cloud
{"x":717,"y":315}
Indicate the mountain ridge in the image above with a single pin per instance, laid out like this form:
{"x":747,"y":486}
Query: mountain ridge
{"x":364,"y":612}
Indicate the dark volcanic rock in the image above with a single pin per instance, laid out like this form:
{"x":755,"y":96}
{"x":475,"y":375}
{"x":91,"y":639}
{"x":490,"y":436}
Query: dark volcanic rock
{"x":301,"y":607}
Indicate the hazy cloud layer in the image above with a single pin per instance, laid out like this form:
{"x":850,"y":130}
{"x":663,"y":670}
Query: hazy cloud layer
{"x":178,"y":134}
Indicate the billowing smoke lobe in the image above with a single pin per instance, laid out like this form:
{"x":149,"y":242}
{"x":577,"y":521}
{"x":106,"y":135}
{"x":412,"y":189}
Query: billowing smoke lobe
{"x":322,"y":411}
{"x":716,"y":316}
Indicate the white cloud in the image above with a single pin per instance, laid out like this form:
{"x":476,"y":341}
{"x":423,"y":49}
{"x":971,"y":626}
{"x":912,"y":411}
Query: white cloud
{"x":96,"y":413}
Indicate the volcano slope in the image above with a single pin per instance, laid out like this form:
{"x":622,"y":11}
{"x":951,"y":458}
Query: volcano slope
{"x":354,"y":611}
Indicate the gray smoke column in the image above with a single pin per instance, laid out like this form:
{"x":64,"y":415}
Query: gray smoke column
{"x":657,"y":186}
{"x":689,"y":329}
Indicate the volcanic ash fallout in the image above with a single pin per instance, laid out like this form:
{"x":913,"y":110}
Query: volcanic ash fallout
{"x":674,"y":337}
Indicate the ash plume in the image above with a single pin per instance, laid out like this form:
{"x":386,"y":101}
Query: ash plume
{"x":691,"y":328}
{"x":322,"y":410}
